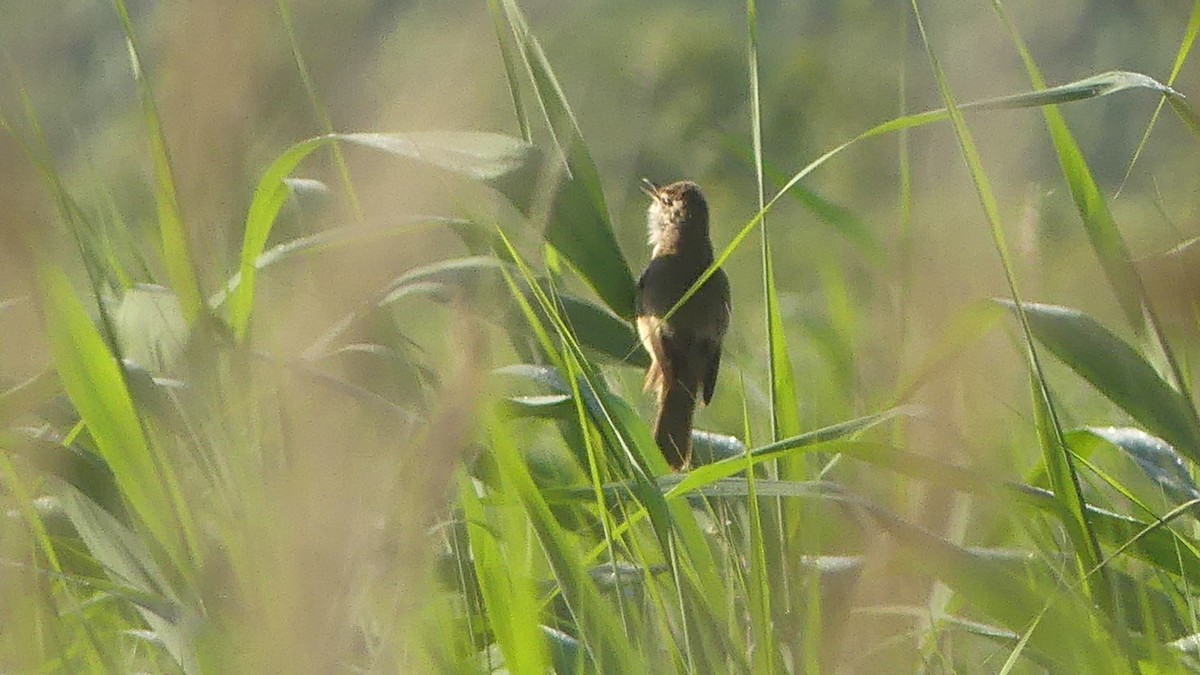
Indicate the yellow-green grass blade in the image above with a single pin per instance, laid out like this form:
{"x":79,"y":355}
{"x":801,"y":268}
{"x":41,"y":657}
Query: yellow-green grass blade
{"x":269,"y":196}
{"x":1063,"y":473}
{"x":1098,"y":221}
{"x":1104,"y":84}
{"x":678,"y":535}
{"x":93,"y":380}
{"x":509,"y":597}
{"x":178,"y":260}
{"x":1118,"y":372}
{"x":610,"y":651}
{"x":578,"y":225}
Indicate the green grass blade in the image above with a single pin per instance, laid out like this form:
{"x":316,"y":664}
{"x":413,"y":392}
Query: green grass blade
{"x":504,"y":42}
{"x":770,"y":567}
{"x":269,"y":196}
{"x":599,"y":631}
{"x":578,"y":225}
{"x":1116,"y":370}
{"x":709,"y":473}
{"x":508,"y":595}
{"x":93,"y":380}
{"x":180,"y":269}
{"x":1098,"y":221}
{"x":1185,"y":47}
{"x":1104,"y":84}
{"x":310,"y":88}
{"x":1065,"y":478}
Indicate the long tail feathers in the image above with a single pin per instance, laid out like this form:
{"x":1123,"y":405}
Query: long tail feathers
{"x":673,"y":425}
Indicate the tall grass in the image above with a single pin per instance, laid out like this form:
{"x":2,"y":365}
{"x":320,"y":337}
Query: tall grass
{"x":456,"y":475}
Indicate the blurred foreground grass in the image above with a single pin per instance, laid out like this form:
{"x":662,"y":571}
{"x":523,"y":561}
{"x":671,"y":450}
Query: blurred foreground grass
{"x":390,"y":420}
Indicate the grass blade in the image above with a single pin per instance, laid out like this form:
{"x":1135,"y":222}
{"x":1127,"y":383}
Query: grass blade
{"x":578,"y":226}
{"x":96,"y":386}
{"x":1116,"y":370}
{"x":180,"y":269}
{"x":1064,"y":475}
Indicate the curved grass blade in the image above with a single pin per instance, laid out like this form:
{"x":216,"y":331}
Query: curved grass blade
{"x":1098,"y":85}
{"x":1098,"y":220}
{"x":500,"y":161}
{"x":96,"y":386}
{"x":578,"y":225}
{"x":1062,"y":469}
{"x":1116,"y":370}
{"x":1185,"y":47}
{"x":174,"y":242}
{"x":710,"y":473}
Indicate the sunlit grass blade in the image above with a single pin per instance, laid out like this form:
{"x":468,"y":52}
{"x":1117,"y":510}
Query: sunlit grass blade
{"x":93,"y":380}
{"x":1098,"y":220}
{"x":1014,"y":589}
{"x":1185,"y":47}
{"x":508,"y":595}
{"x":578,"y":224}
{"x":310,"y":88}
{"x":174,"y":241}
{"x":1063,"y":474}
{"x":1116,"y":370}
{"x":1104,"y":84}
{"x":269,"y":196}
{"x":599,"y":631}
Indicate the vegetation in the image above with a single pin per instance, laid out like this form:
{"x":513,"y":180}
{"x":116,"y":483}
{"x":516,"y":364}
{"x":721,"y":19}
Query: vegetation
{"x":292,"y":423}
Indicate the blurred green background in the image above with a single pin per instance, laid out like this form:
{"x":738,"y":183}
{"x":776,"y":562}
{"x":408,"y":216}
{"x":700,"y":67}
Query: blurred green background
{"x":873,"y":283}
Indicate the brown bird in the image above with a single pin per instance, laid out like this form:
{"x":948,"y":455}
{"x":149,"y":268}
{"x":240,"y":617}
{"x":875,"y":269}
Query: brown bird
{"x":685,"y":349}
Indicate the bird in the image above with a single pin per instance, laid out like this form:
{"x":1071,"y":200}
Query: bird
{"x":685,"y":347}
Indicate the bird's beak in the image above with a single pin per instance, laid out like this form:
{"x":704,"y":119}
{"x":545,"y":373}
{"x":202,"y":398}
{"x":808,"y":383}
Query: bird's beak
{"x":650,"y":189}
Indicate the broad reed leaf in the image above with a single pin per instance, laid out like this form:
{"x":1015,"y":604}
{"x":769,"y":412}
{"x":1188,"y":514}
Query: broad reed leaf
{"x":596,"y":328}
{"x":1154,"y":456}
{"x":578,"y":224}
{"x":1116,"y":370}
{"x":93,"y":380}
{"x":1058,"y":460}
{"x":173,"y":236}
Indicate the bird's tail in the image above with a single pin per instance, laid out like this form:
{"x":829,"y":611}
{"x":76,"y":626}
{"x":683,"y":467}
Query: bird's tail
{"x":673,"y":425}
